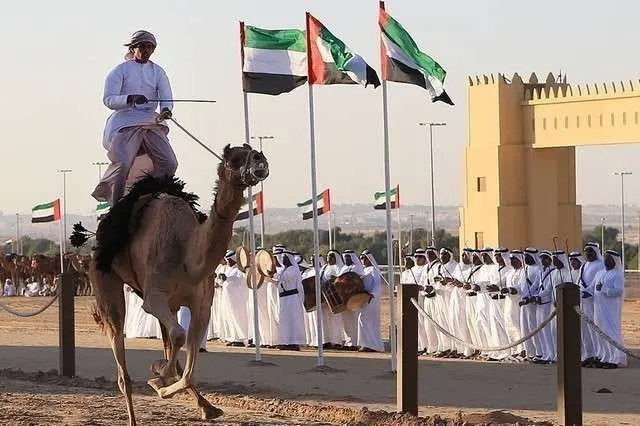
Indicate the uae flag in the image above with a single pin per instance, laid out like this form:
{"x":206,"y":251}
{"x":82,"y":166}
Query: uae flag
{"x":9,"y":242}
{"x":47,"y":212}
{"x":323,"y":202}
{"x":332,"y":62}
{"x":381,"y":199}
{"x":273,"y":61}
{"x":258,"y":207}
{"x":401,"y":60}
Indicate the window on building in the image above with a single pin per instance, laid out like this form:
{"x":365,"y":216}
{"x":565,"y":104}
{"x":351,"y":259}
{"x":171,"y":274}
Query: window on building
{"x":481,"y":184}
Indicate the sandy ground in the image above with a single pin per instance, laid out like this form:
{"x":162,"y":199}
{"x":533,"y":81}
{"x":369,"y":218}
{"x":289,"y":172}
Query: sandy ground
{"x":357,"y":388}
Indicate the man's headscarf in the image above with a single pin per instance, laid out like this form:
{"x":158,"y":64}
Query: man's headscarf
{"x":617,"y":259}
{"x":230,"y":255}
{"x":339,"y":260}
{"x":518,"y":254}
{"x":356,"y":265}
{"x":139,"y":37}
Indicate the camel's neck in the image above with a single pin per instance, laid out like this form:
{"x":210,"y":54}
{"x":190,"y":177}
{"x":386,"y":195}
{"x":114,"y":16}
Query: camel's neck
{"x":213,"y":236}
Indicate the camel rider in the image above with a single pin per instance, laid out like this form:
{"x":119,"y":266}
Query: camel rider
{"x":134,"y":127}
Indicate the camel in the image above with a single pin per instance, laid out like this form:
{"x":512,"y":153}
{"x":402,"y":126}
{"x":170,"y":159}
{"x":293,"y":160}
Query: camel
{"x":155,"y":243}
{"x":80,"y":264}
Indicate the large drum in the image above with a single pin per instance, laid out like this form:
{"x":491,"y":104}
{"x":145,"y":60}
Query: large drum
{"x":309,"y":286}
{"x":346,"y":293}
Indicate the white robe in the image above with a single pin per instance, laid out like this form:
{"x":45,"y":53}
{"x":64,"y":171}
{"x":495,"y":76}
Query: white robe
{"x":499,"y":337}
{"x":528,"y":313}
{"x":350,"y":319}
{"x":430,"y":307}
{"x":442,"y":305}
{"x":458,"y":311}
{"x":184,"y":319}
{"x":215,"y":330}
{"x":331,"y":323}
{"x":608,"y":315}
{"x":291,"y":312}
{"x":472,"y":277}
{"x":544,"y":309}
{"x":587,"y":282}
{"x":369,"y":335}
{"x":414,"y":276}
{"x":512,"y":311}
{"x":263,"y":314}
{"x":138,"y":323}
{"x":235,"y":292}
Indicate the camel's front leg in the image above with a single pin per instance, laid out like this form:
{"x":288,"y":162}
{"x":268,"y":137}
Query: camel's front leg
{"x":200,"y":313}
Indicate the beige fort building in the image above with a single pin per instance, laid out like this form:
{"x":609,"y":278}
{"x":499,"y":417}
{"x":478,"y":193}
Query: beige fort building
{"x":520,"y":162}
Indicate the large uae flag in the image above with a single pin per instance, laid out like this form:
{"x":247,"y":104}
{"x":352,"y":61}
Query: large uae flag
{"x":381,"y":199}
{"x":258,"y":207}
{"x":323,"y":203}
{"x":47,"y":212}
{"x":273,"y":61}
{"x":332,"y":62}
{"x":402,"y":61}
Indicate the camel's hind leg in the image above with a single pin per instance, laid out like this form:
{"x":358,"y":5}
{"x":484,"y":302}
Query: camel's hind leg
{"x":110,"y":314}
{"x":207,"y":411}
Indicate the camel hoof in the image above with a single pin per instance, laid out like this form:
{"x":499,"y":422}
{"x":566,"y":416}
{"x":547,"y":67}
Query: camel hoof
{"x":210,"y":412}
{"x":159,"y":383}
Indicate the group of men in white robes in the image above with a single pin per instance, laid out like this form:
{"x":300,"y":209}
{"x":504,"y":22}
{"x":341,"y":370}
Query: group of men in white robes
{"x":493,"y":298}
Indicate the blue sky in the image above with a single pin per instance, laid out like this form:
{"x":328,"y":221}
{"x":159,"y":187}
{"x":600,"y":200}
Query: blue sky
{"x":57,"y":54}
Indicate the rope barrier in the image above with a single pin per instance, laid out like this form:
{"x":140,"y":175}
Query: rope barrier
{"x":602,"y":334}
{"x":32,"y":314}
{"x":480,"y":348}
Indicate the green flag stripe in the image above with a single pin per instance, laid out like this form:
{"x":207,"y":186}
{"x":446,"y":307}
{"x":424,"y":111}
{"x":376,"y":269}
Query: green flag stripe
{"x":382,"y":194}
{"x":259,"y":38}
{"x":310,"y":201}
{"x":44,"y":206}
{"x":398,"y":35}
{"x":339,"y":51}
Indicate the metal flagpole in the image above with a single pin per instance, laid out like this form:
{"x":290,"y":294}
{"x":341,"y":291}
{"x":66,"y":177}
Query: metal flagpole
{"x":330,"y":232}
{"x":252,"y":239}
{"x":399,"y":236}
{"x":61,"y":251}
{"x":16,"y":247}
{"x":314,"y":201}
{"x":387,"y":188}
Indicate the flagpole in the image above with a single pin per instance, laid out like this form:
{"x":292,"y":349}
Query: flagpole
{"x":330,"y":231}
{"x":387,"y":188}
{"x":399,"y":236}
{"x":252,"y":235}
{"x":314,"y":201}
{"x":61,"y":251}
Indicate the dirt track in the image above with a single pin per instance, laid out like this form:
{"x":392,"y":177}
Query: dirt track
{"x":289,"y":392}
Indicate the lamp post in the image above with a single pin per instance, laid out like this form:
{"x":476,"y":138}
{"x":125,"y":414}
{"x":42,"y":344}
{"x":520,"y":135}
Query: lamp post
{"x":261,"y":138}
{"x":433,"y":206}
{"x":622,"y":175}
{"x":100,"y":164}
{"x":602,"y":219}
{"x":63,"y":247}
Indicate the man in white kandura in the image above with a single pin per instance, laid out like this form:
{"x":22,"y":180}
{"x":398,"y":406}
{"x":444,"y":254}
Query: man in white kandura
{"x":587,"y":282}
{"x":134,"y":128}
{"x":609,"y":297}
{"x":369,"y":337}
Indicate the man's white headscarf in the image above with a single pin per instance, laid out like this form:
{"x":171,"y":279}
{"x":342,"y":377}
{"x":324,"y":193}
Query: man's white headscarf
{"x":230,"y":255}
{"x":533,"y":252}
{"x":339,"y":260}
{"x":576,"y":255}
{"x":617,"y":259}
{"x":595,"y":247}
{"x":140,"y":36}
{"x":356,"y":265}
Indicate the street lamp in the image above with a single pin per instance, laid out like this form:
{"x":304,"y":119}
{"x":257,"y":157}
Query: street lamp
{"x":261,"y":138}
{"x":100,"y":164}
{"x":64,"y":172}
{"x":433,"y":206}
{"x":622,"y":174}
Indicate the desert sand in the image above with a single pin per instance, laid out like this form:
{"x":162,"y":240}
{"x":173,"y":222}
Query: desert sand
{"x":355,"y":389}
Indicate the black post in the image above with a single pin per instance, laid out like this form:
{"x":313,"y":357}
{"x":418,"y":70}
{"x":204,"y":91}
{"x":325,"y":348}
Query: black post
{"x":569,"y":365}
{"x":67,"y":342}
{"x":407,"y":378}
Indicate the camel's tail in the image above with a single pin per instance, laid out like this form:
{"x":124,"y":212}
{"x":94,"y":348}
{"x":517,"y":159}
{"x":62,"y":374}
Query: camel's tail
{"x":97,"y":317}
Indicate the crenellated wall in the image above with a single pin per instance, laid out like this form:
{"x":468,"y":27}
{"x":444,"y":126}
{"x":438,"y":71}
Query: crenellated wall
{"x":520,"y":173}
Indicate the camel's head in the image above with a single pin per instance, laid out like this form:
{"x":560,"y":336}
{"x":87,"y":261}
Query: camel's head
{"x":243,"y":166}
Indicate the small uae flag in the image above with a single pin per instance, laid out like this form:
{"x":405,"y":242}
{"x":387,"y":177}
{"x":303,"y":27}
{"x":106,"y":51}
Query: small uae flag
{"x":101,"y":209}
{"x":402,"y":61}
{"x":258,"y":207}
{"x":323,"y":202}
{"x":381,"y":199}
{"x":273,"y":61}
{"x":10,"y":241}
{"x":332,"y":62}
{"x":47,"y":212}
